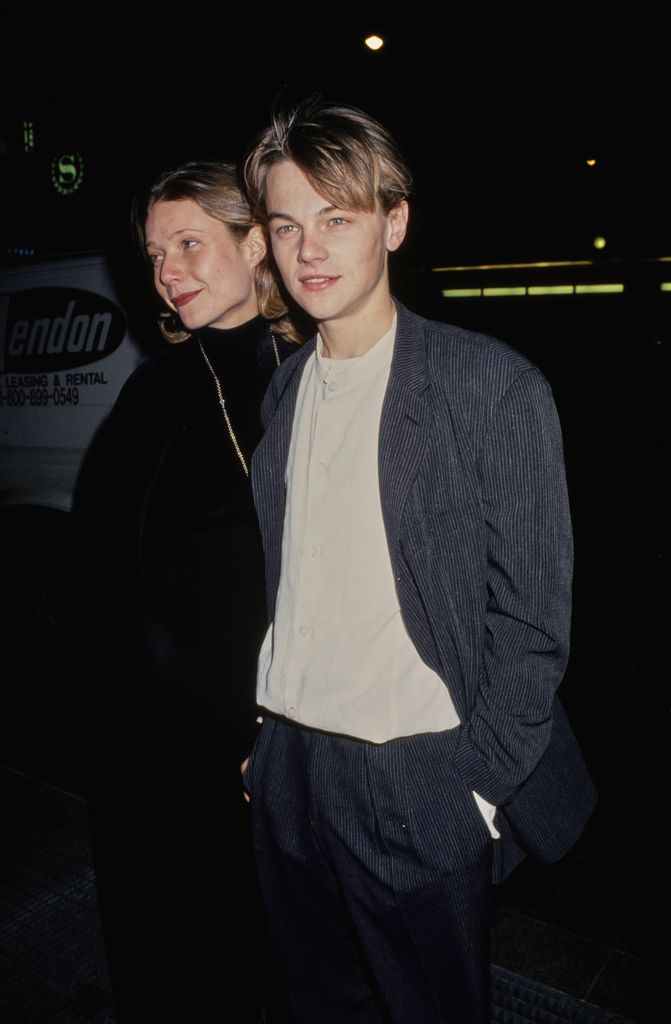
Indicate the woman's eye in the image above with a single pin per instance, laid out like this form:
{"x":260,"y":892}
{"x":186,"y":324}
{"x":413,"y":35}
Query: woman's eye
{"x":189,"y":243}
{"x":154,"y":258}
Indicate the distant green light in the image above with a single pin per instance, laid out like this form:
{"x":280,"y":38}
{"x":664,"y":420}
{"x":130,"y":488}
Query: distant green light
{"x":500,"y":292}
{"x":598,"y":289}
{"x":551,"y":289}
{"x":67,"y":173}
{"x":599,"y":242}
{"x":28,"y":136}
{"x":665,"y":286}
{"x":462,"y":293}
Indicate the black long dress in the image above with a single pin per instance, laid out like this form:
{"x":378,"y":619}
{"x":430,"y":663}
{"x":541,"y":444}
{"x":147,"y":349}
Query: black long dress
{"x":168,"y":507}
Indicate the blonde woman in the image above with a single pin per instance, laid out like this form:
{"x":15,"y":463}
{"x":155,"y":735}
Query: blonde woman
{"x":167,"y":489}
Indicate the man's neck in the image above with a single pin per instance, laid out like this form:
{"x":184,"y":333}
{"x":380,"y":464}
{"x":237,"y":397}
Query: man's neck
{"x":354,"y":336}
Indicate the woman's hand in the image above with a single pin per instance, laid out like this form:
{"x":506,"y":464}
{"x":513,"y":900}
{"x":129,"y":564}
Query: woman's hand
{"x":243,"y":769}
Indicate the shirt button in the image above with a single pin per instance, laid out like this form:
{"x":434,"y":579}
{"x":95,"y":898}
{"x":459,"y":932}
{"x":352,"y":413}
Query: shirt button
{"x":304,"y":631}
{"x":315,"y":550}
{"x":333,"y":386}
{"x":322,"y":468}
{"x":291,"y":711}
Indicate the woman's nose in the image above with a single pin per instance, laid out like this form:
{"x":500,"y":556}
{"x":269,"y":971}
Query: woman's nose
{"x":170,"y":269}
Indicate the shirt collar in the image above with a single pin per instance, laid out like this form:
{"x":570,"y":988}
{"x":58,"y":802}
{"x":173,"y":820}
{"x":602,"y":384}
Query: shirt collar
{"x":350,"y":373}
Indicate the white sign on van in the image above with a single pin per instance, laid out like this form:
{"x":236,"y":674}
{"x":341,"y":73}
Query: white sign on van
{"x":65,"y":353}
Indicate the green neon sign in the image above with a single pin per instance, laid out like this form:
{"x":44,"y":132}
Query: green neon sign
{"x":67,"y":173}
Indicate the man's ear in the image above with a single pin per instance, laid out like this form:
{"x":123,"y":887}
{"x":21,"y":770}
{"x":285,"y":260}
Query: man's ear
{"x":397,"y":225}
{"x":255,"y":245}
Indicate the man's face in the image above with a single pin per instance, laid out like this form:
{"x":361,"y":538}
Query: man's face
{"x":333,"y":261}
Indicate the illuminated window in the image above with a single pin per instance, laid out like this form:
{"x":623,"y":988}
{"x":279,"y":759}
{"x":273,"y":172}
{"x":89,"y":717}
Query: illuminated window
{"x":501,"y":292}
{"x":598,"y":289}
{"x":461,"y":293}
{"x":535,"y":290}
{"x":550,"y":289}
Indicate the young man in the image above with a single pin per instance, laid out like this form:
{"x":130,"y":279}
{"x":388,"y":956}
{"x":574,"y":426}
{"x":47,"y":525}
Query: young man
{"x":411,"y":496}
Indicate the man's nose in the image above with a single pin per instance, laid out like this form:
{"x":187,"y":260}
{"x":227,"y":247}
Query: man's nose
{"x":311,"y":247}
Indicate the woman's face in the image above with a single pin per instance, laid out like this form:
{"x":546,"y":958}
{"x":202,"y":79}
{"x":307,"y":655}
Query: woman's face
{"x":201,"y":269}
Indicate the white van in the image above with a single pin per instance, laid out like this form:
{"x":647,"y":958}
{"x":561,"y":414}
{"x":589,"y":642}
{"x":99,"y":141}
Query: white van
{"x":65,"y":353}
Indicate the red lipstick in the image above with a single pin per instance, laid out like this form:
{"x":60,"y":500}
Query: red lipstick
{"x":181,"y":300}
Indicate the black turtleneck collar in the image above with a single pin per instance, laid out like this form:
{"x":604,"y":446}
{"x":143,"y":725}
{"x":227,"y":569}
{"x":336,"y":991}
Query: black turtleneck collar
{"x":233,"y":343}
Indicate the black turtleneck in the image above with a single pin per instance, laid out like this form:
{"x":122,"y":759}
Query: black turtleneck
{"x":197,"y":602}
{"x":173,"y":577}
{"x":200,"y":482}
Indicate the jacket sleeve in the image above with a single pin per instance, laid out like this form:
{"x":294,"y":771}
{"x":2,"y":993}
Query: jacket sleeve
{"x":528,"y":602}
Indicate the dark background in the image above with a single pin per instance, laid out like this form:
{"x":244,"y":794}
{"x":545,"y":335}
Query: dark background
{"x":497,"y":117}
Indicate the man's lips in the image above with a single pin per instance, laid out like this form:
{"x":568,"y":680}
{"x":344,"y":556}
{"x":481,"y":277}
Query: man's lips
{"x":181,"y":300}
{"x":317,"y":282}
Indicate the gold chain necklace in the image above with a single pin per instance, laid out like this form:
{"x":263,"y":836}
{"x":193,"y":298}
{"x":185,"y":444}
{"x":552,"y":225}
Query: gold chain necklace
{"x":229,"y":427}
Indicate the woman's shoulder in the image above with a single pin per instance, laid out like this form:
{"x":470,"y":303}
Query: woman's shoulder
{"x":161,"y":368}
{"x":154,"y":386}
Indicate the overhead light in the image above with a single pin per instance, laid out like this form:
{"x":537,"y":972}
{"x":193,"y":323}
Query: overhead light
{"x":591,"y":163}
{"x":599,"y":242}
{"x":374,"y":42}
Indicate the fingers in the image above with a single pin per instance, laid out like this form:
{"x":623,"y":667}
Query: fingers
{"x":243,"y":769}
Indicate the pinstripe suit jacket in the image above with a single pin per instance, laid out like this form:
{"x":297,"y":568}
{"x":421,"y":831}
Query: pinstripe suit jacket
{"x":477,"y":522}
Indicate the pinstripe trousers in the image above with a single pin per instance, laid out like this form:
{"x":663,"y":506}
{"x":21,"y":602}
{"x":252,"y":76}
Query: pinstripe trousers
{"x":374,"y":864}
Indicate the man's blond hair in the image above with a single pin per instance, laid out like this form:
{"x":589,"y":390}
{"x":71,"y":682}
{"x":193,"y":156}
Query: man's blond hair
{"x":346,"y":155}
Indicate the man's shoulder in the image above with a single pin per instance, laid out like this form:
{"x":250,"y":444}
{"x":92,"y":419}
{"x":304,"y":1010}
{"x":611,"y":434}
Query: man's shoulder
{"x":469,"y":374}
{"x":468,"y":368}
{"x":291,"y":362}
{"x":466,"y":353}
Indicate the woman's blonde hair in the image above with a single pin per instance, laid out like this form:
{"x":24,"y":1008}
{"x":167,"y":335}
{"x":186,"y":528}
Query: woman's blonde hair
{"x":214,"y":186}
{"x":346,"y":155}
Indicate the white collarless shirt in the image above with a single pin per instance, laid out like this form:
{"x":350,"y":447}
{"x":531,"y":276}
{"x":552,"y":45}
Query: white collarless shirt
{"x":340,"y":657}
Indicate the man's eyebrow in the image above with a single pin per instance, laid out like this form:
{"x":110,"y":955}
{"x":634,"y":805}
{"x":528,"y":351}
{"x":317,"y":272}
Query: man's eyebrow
{"x":287,"y":216}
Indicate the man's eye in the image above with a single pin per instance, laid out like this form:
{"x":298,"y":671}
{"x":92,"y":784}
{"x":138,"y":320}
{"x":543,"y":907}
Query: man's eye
{"x":338,"y":220}
{"x":286,"y":229}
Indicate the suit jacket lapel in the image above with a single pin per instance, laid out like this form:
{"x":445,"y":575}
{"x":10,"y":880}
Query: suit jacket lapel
{"x":406,"y":421}
{"x":269,"y":469}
